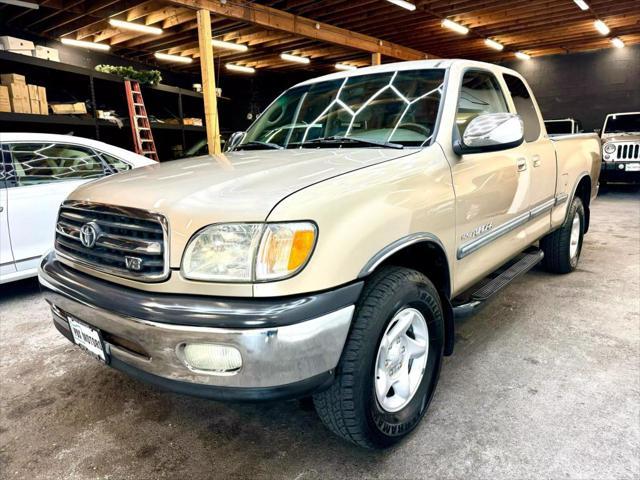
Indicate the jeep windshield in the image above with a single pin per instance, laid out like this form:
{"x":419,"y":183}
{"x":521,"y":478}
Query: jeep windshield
{"x":380,"y":110}
{"x":622,"y":124}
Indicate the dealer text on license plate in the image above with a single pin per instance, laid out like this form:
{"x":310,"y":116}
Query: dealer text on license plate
{"x":87,"y":338}
{"x":633,"y":167}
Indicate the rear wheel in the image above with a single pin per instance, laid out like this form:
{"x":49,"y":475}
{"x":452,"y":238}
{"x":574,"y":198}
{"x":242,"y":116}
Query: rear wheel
{"x":391,"y":361}
{"x":562,"y":247}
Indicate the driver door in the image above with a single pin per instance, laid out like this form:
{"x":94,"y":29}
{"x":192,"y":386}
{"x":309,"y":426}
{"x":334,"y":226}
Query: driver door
{"x":492,"y":189}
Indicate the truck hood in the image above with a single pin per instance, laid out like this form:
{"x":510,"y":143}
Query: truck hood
{"x":234,"y":187}
{"x":621,"y":137}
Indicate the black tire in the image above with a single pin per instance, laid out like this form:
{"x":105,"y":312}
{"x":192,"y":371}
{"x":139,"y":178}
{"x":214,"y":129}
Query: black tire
{"x":557,"y":245}
{"x":350,"y":407}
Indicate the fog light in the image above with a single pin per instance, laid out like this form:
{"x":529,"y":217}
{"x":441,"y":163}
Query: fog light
{"x":621,"y":167}
{"x":209,"y":357}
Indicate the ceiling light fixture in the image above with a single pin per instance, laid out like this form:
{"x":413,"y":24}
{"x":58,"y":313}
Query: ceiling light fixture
{"x":617,"y":42}
{"x":135,"y":27}
{"x":456,"y":27}
{"x":91,"y":45}
{"x":172,"y":58}
{"x":345,"y":66}
{"x":601,"y":27}
{"x":240,"y":68}
{"x":401,"y":3}
{"x":493,"y":44}
{"x":294,"y":58}
{"x":19,"y":3}
{"x":238,"y":47}
{"x":523,"y":56}
{"x":582,"y":5}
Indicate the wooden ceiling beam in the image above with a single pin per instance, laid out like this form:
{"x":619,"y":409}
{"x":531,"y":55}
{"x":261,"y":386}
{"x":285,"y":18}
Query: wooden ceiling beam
{"x":305,"y":27}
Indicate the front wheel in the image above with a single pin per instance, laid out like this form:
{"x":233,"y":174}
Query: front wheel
{"x":391,"y":361}
{"x":562,"y":247}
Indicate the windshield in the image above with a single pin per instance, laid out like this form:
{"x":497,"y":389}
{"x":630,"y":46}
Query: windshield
{"x":557,"y":127}
{"x":622,"y":124}
{"x":392,"y":109}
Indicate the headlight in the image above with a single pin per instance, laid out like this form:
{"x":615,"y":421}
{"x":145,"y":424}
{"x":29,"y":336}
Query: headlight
{"x":246,"y":252}
{"x":609,"y":148}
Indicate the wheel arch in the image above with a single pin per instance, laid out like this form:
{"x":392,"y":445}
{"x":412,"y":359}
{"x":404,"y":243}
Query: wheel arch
{"x":425,"y":253}
{"x":583,"y":192}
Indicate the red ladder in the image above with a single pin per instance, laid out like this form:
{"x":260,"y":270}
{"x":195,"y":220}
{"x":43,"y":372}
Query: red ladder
{"x":142,"y":138}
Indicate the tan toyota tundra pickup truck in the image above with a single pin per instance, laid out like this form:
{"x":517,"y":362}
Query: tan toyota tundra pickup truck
{"x":328,"y":252}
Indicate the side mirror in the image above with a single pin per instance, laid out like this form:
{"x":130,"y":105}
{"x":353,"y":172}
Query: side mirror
{"x":234,"y":140}
{"x":491,"y":132}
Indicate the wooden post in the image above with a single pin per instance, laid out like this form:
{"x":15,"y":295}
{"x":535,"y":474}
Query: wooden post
{"x":376,"y":58}
{"x":208,"y":82}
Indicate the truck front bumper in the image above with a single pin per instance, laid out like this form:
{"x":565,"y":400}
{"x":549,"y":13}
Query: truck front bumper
{"x":289,"y":346}
{"x":620,"y":171}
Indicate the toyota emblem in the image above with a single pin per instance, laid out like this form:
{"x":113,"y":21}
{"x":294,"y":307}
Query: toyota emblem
{"x":89,"y":234}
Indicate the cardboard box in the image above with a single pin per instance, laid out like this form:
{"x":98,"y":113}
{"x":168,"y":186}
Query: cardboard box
{"x":5,"y":104}
{"x":46,"y":53}
{"x":19,"y":98}
{"x":17,"y":44}
{"x":192,"y":121}
{"x":34,"y":102}
{"x":8,"y":78}
{"x":42,"y":98}
{"x":68,"y":108}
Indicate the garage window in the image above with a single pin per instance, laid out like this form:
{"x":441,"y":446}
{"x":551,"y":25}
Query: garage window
{"x":36,"y":163}
{"x":524,"y":107}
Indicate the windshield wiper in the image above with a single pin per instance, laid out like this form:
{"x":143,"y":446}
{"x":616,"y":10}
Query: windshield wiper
{"x":255,"y":145}
{"x":336,"y":139}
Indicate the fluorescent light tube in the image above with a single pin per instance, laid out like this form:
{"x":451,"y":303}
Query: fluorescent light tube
{"x":617,"y":42}
{"x":344,"y":66}
{"x":523,"y":56}
{"x":406,"y":5}
{"x":240,"y":68}
{"x":582,"y":5}
{"x":456,"y":27}
{"x":135,"y":27}
{"x":294,"y":58}
{"x":173,"y":58}
{"x":601,"y":27}
{"x":238,"y":47}
{"x":493,"y":44}
{"x":90,"y":45}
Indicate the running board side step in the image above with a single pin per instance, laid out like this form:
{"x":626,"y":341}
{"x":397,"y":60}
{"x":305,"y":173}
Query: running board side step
{"x":502,"y":277}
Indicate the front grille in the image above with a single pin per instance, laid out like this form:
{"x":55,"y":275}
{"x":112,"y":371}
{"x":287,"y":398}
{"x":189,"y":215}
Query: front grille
{"x":126,"y":242}
{"x":628,"y":151}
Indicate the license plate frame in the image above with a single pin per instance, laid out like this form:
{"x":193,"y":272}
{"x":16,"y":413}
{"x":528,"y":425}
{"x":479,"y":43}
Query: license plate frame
{"x":89,"y":339}
{"x":632,"y":167}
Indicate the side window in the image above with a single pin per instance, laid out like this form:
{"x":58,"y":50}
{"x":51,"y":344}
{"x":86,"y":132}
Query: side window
{"x":36,"y":163}
{"x":115,"y":163}
{"x":480,"y":93}
{"x":524,"y":107}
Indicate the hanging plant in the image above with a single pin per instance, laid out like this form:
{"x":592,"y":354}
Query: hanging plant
{"x":145,"y":77}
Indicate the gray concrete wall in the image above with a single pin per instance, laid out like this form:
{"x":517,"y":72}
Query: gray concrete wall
{"x":585,"y":86}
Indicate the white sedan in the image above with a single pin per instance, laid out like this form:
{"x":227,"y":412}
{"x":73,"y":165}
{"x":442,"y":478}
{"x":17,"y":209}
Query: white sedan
{"x":37,"y":173}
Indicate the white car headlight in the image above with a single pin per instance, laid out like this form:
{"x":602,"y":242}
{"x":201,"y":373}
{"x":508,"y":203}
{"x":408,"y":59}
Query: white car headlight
{"x":247,"y":252}
{"x":609,"y":148}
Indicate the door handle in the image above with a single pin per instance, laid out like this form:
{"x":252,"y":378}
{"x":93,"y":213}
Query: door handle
{"x":522,"y":164}
{"x":536,"y":160}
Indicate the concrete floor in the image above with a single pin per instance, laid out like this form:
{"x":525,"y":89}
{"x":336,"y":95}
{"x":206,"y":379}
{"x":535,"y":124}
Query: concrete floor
{"x":544,"y":383}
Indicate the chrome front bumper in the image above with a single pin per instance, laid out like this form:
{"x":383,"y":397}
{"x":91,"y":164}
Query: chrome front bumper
{"x":288,"y":350}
